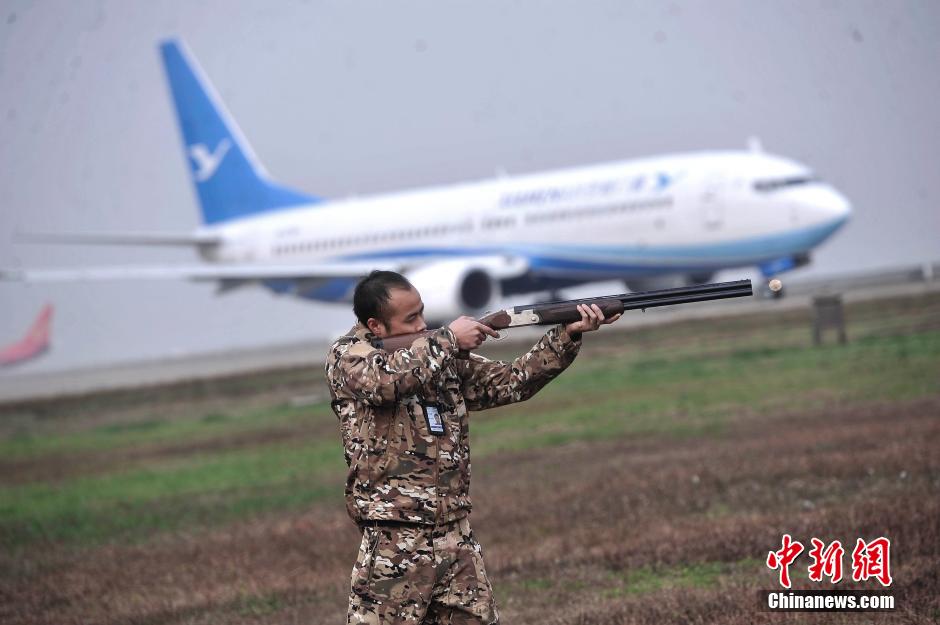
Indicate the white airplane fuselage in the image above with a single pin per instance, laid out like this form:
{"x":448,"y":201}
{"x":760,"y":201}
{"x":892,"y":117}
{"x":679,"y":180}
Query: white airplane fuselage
{"x":688,"y":214}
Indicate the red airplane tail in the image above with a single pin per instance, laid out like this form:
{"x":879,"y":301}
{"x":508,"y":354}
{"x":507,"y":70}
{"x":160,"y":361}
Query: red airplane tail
{"x":34,"y":343}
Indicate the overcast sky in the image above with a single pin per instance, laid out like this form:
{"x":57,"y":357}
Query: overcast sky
{"x":343,"y":98}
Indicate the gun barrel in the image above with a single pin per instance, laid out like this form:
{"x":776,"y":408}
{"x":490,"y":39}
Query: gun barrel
{"x":566,"y":311}
{"x":662,"y":297}
{"x":686,"y":295}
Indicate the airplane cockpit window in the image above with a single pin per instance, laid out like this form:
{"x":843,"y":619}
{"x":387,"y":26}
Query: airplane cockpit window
{"x":774,"y":184}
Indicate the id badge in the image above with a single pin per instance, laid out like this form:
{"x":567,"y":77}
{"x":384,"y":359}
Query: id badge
{"x":432,"y":414}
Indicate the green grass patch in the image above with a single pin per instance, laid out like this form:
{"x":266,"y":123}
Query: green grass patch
{"x":651,"y":579}
{"x":155,"y":431}
{"x":196,"y":489}
{"x":259,"y":605}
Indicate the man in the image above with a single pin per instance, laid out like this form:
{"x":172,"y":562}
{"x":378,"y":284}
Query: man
{"x":403,"y":417}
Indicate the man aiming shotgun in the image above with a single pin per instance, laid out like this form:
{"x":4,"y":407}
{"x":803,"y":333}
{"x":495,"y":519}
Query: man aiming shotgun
{"x":402,"y":394}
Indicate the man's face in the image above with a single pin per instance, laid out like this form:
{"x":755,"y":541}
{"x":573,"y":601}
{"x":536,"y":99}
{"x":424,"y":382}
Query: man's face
{"x":405,"y":312}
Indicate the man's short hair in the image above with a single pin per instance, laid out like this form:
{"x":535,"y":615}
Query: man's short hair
{"x":370,"y":299}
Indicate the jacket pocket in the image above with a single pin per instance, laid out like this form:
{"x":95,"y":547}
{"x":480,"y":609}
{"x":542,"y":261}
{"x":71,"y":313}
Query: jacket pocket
{"x":379,"y":450}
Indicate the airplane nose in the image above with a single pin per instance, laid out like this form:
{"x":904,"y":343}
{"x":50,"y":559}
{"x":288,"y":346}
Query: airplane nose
{"x":837,"y":206}
{"x":825,"y":205}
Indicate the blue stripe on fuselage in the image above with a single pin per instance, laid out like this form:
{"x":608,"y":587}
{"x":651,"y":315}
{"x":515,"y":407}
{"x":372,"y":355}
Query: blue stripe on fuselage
{"x":597,"y":262}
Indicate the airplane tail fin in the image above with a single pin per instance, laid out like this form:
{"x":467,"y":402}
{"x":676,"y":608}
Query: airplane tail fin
{"x":230,"y":180}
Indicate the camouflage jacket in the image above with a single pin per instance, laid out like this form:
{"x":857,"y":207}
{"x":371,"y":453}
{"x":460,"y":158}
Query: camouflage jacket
{"x":399,"y":469}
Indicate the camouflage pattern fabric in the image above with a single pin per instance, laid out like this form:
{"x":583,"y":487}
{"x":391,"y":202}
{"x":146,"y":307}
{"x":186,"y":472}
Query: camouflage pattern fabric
{"x":406,"y":437}
{"x":420,"y":574}
{"x":399,"y":468}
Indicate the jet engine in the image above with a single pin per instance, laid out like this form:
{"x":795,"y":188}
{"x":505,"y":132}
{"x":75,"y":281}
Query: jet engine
{"x":453,"y":288}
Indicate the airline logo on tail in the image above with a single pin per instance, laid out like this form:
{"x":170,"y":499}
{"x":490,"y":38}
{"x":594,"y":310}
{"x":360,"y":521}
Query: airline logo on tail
{"x":207,"y":162}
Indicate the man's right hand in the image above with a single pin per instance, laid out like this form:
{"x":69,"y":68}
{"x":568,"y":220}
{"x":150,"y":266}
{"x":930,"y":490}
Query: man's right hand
{"x":470,"y":333}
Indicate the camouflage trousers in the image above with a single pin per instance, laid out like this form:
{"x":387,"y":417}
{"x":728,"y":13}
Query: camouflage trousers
{"x":420,"y":574}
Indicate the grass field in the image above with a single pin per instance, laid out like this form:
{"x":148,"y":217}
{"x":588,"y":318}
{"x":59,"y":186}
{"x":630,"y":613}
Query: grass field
{"x":645,"y":485}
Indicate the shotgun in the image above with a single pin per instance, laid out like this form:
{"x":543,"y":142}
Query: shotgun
{"x":566,"y":311}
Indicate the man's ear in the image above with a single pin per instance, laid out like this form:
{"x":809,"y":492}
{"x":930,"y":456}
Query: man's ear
{"x":377,"y":327}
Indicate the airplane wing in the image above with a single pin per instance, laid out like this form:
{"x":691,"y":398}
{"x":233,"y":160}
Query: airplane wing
{"x":121,"y":238}
{"x":190,"y":272}
{"x":500,"y":267}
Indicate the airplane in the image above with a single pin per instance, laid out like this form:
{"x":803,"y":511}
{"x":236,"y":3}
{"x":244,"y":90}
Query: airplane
{"x":35,"y":343}
{"x":651,"y":222}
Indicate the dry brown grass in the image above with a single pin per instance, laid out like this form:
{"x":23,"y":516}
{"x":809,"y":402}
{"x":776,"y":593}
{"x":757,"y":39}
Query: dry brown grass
{"x":565,"y":530}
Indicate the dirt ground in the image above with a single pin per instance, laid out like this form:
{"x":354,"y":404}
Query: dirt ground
{"x":651,"y":529}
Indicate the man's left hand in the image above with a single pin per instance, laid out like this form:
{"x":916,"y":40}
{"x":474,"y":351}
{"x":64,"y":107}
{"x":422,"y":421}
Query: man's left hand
{"x":592,"y":317}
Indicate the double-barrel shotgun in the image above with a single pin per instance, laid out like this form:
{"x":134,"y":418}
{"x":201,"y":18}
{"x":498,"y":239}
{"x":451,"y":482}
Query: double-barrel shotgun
{"x":566,"y":311}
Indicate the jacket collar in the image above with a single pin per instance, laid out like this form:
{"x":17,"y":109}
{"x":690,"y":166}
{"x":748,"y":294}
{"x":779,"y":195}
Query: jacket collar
{"x":361,"y":332}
